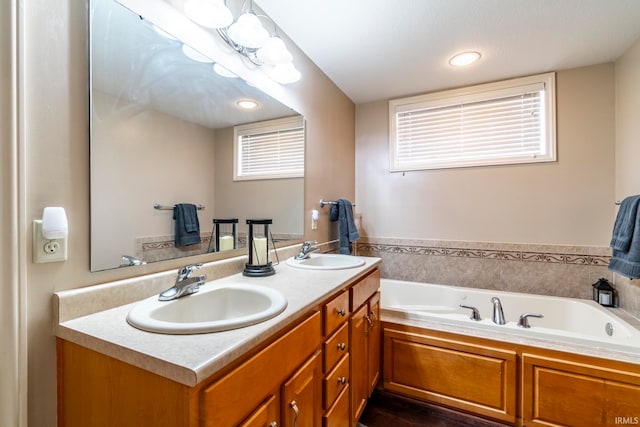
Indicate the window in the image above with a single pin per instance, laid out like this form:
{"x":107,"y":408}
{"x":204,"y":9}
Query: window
{"x":270,"y":149}
{"x":492,"y":124}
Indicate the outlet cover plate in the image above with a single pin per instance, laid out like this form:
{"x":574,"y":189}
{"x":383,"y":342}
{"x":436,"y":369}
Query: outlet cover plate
{"x":46,"y":250}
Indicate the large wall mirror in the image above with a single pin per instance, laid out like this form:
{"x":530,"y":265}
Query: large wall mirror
{"x":162,"y":133}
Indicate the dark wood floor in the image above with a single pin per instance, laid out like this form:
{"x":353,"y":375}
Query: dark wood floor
{"x":388,"y":410}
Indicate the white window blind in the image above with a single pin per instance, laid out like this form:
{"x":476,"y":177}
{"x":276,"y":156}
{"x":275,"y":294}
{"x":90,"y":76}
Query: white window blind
{"x":267,"y":150}
{"x":500,"y":123}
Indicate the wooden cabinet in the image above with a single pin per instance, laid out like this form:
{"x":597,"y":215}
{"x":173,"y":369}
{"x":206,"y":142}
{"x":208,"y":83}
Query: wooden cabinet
{"x":96,"y":390}
{"x":509,"y":382}
{"x":365,"y":336}
{"x":449,"y":371}
{"x":575,"y":391}
{"x":351,"y":351}
{"x":301,"y":395}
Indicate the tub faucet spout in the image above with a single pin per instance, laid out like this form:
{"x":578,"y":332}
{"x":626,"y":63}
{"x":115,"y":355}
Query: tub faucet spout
{"x":498,"y":314}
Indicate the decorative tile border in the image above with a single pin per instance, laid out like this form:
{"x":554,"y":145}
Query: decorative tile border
{"x":495,"y":254}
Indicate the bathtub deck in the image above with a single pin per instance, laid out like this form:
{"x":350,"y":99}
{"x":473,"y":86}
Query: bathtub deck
{"x":385,"y":409}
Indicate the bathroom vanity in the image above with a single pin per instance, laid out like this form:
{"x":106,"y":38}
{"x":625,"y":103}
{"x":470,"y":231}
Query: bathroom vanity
{"x":315,"y":364}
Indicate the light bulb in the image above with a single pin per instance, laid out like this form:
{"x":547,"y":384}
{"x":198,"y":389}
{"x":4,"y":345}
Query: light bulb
{"x":274,"y":52}
{"x":208,"y":13}
{"x":247,"y":31}
{"x":284,"y":73}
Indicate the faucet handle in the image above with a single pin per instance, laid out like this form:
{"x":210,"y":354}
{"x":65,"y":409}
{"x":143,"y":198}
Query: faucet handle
{"x":185,"y":271}
{"x":523,"y":322}
{"x":308,"y":243}
{"x":475,"y":314}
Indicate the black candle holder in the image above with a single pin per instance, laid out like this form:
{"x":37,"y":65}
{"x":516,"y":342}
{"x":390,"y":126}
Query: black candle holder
{"x":258,"y":264}
{"x":217,"y":225}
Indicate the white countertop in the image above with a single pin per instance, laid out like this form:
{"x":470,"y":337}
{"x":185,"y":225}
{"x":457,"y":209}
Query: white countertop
{"x":190,"y":359}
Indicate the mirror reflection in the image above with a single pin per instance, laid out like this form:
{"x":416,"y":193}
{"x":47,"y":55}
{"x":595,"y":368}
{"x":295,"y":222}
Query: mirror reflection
{"x":163,"y":130}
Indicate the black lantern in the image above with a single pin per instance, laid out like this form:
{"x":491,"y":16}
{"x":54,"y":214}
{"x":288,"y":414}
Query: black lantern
{"x":258,"y":246}
{"x":603,"y":293}
{"x":226,"y":236}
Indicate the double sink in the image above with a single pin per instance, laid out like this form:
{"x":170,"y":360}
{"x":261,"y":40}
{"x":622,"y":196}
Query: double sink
{"x":221,"y":308}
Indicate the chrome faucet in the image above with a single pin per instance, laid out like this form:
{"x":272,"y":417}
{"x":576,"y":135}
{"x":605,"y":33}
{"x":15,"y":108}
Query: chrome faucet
{"x":185,"y":284}
{"x":498,"y":315}
{"x":306,"y":249}
{"x":475,"y":314}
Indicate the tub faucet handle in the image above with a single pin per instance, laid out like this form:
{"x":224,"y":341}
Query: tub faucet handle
{"x":524,"y":319}
{"x":475,"y":314}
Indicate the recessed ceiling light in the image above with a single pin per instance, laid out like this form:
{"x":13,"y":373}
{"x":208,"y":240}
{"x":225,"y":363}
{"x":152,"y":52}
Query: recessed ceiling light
{"x":464,"y":58}
{"x":247,"y":104}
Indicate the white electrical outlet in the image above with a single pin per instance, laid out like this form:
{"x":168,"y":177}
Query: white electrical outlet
{"x":46,"y":250}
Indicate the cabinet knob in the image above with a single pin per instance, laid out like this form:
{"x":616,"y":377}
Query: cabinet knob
{"x":273,"y":424}
{"x":342,"y":380}
{"x":342,"y":346}
{"x":342,"y":312}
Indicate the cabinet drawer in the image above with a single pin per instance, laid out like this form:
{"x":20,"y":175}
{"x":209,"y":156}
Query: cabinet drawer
{"x":361,"y":291}
{"x":336,"y":312}
{"x":338,"y":415}
{"x":336,"y":381}
{"x":336,"y":347}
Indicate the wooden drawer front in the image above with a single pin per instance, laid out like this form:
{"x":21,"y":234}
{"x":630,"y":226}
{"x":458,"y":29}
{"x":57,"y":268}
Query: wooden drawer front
{"x":422,"y":366}
{"x":338,"y":414}
{"x":336,"y":381}
{"x":562,"y":392}
{"x":336,"y":312}
{"x":361,"y":291}
{"x":266,"y":415}
{"x":336,"y":347}
{"x":230,"y":400}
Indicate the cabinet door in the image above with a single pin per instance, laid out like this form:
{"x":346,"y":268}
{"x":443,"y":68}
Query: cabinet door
{"x":374,"y":337}
{"x":359,"y":368}
{"x":302,"y":395}
{"x":266,"y":415}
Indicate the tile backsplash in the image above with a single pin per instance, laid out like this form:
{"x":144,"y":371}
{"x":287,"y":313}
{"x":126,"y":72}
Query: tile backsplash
{"x":559,"y":270}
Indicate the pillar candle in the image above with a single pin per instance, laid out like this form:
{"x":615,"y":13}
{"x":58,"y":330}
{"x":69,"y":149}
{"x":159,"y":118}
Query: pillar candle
{"x":260,"y":250}
{"x":226,"y":243}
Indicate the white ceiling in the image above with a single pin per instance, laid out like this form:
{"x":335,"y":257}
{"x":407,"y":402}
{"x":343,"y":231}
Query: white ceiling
{"x":381,"y":49}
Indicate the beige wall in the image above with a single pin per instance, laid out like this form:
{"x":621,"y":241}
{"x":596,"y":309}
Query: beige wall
{"x":627,"y":170}
{"x":566,"y":202}
{"x":144,"y":157}
{"x":57,"y":167}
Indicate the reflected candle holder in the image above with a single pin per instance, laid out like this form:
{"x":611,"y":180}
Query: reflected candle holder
{"x":258,"y":264}
{"x":226,"y":239}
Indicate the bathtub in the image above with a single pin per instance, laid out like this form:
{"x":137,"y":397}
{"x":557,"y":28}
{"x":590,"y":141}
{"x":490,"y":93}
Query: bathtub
{"x":566,"y":320}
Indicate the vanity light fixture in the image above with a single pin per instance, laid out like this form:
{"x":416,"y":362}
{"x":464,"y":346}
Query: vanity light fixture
{"x":247,"y":104}
{"x":250,"y":39}
{"x":464,"y":58}
{"x":193,"y":54}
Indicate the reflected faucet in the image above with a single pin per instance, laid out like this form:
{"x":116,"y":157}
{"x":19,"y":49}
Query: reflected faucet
{"x":185,"y":284}
{"x":498,"y":315}
{"x":131,"y":260}
{"x":306,"y":249}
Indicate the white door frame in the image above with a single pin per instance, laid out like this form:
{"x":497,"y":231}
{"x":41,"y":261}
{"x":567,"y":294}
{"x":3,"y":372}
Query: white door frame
{"x":13,"y":355}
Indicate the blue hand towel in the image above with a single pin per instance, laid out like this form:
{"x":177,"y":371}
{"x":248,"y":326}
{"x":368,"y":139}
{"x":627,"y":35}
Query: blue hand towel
{"x":625,"y":241}
{"x":342,"y":212}
{"x":187,"y":225}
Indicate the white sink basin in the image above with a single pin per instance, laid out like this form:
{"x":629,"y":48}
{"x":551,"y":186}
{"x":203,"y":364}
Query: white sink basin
{"x":327,"y":262}
{"x":212,"y":309}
